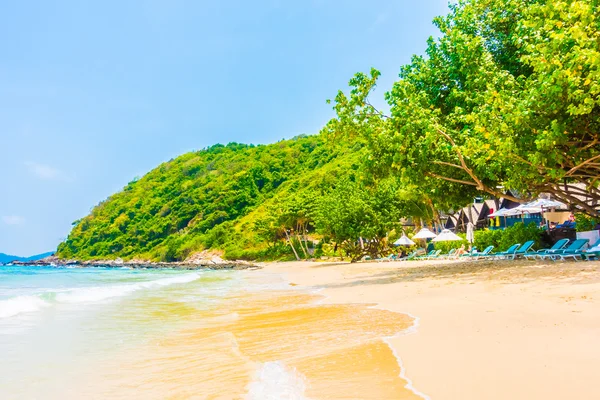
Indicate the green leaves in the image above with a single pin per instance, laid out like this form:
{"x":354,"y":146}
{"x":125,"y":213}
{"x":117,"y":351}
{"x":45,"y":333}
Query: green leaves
{"x":353,"y":211}
{"x":508,"y":96}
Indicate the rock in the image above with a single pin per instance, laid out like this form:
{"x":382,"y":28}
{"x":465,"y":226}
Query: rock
{"x":205,"y":259}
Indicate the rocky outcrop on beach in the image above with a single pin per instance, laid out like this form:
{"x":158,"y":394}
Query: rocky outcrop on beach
{"x":202,"y":260}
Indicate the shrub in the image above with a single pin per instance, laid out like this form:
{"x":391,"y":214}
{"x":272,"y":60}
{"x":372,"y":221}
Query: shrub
{"x":521,"y":233}
{"x":503,"y":239}
{"x":445,"y":247}
{"x":487,"y":237}
{"x":585,"y":222}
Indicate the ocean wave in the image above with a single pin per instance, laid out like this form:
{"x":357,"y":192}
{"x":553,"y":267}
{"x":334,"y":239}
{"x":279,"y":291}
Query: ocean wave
{"x":21,"y":304}
{"x":100,"y":293}
{"x":273,"y":381}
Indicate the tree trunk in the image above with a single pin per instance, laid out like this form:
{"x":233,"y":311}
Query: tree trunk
{"x":291,"y":244}
{"x":306,"y":242}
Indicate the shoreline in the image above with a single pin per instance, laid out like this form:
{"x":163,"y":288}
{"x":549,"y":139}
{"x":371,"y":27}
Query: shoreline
{"x":494,"y":330}
{"x":214,"y":264}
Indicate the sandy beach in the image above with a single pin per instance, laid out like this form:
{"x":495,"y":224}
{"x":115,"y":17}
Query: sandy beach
{"x":482,"y":330}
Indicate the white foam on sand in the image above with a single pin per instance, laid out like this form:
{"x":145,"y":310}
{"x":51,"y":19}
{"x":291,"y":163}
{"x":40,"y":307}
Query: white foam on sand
{"x":412,"y":329}
{"x":20,"y":304}
{"x":274,"y":381}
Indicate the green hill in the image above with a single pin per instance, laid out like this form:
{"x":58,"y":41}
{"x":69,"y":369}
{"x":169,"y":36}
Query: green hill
{"x":234,"y":198}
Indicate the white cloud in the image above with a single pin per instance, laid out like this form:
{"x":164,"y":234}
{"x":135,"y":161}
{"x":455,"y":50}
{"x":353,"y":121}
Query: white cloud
{"x":13,"y":219}
{"x":46,"y":172}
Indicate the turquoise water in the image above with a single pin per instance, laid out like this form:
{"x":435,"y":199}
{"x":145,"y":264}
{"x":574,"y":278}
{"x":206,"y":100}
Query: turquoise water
{"x":58,"y":323}
{"x":112,"y":333}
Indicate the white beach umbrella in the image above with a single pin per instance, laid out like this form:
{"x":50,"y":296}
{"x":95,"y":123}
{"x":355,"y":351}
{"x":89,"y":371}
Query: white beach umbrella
{"x":546,"y":203}
{"x":447,"y":235}
{"x":470,"y":232}
{"x":424,"y":234}
{"x":505,"y":212}
{"x":527,"y":208}
{"x":403,"y":241}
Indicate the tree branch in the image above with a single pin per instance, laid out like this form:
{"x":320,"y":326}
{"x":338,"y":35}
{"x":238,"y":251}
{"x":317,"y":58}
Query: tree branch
{"x":448,"y":164}
{"x":589,"y":160}
{"x":431,"y":174}
{"x":569,"y":198}
{"x":480,"y":185}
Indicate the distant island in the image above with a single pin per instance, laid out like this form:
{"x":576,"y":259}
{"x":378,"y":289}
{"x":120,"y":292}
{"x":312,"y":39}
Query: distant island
{"x":6,"y":258}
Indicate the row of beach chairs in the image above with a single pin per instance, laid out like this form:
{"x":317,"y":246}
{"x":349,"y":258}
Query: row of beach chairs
{"x":561,"y":250}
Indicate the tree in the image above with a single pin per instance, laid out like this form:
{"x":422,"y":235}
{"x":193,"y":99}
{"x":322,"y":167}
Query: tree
{"x":507,"y":98}
{"x":358,"y":218}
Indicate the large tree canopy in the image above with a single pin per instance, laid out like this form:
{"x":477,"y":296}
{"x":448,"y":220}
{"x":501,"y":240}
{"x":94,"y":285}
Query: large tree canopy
{"x":507,"y":98}
{"x":359,"y":217}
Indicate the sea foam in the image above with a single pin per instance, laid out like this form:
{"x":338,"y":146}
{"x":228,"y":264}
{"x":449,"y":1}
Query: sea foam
{"x":273,"y":381}
{"x":100,"y":293}
{"x":20,"y":304}
{"x":31,"y":303}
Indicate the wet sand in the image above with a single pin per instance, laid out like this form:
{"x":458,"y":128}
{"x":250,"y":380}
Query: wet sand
{"x":484,"y":330}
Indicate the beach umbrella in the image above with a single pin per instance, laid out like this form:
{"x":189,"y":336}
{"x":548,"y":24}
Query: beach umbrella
{"x":424,"y":234}
{"x":526,"y":208}
{"x":504,"y":212}
{"x":470,"y":232}
{"x":403,"y":241}
{"x":546,"y":203}
{"x":447,"y":235}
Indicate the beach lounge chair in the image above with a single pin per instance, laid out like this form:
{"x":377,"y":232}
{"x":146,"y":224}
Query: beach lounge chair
{"x":438,"y":254}
{"x":509,"y":253}
{"x":573,"y":248}
{"x":477,"y":255}
{"x":433,"y":256}
{"x":423,"y":257}
{"x":391,"y":257}
{"x":559,"y":245}
{"x":581,"y":254}
{"x":521,"y":251}
{"x":448,"y":255}
{"x":592,"y":254}
{"x":411,"y":256}
{"x":469,"y":253}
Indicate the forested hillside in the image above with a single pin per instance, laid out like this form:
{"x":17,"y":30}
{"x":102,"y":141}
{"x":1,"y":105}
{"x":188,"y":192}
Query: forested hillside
{"x":240,"y":198}
{"x":505,"y":103}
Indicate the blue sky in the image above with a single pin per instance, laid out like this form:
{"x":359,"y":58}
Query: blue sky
{"x":93,"y":94}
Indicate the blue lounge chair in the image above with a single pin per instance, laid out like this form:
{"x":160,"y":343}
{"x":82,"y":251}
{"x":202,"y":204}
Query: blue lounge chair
{"x":573,"y":248}
{"x":449,"y":255}
{"x":477,"y":255}
{"x":580,"y":254}
{"x":521,"y":251}
{"x":411,"y":256}
{"x":510,"y":252}
{"x":469,"y":253}
{"x":391,"y":257}
{"x":435,"y":255}
{"x":592,"y":255}
{"x":423,"y":257}
{"x":559,"y":245}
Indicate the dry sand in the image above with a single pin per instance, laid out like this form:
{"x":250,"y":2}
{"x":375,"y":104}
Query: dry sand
{"x":484,"y":330}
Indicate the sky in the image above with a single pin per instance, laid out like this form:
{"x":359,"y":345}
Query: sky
{"x":94,"y":94}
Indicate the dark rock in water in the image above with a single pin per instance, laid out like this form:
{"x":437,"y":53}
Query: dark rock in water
{"x":215,"y":263}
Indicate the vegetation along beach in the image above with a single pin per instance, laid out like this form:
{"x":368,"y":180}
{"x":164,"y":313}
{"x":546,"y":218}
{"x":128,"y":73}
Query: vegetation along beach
{"x":432,"y":231}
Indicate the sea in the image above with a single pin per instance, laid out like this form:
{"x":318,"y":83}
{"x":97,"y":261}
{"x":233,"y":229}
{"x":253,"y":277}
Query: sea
{"x":120,"y":333}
